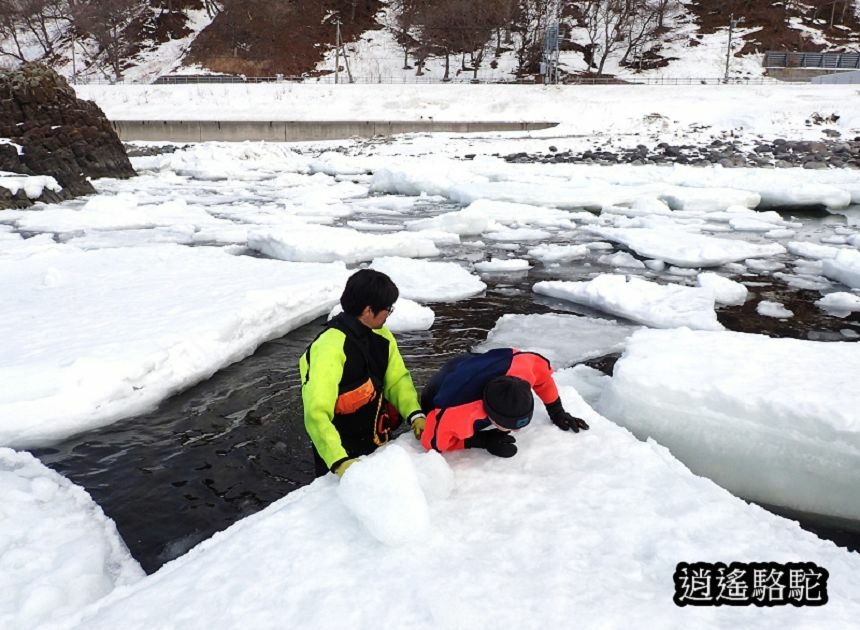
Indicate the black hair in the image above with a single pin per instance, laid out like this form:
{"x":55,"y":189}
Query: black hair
{"x":368,"y":287}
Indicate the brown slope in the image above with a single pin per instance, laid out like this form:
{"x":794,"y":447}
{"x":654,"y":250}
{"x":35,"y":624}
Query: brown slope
{"x":771,"y":21}
{"x":289,"y":37}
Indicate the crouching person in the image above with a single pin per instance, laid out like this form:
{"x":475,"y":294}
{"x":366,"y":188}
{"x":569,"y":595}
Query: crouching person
{"x":480,"y":400}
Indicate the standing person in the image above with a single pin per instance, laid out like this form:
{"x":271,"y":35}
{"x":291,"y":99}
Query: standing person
{"x":478,"y":400}
{"x":355,"y":386}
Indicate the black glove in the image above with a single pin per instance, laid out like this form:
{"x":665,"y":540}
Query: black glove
{"x":564,"y":420}
{"x":498,"y":443}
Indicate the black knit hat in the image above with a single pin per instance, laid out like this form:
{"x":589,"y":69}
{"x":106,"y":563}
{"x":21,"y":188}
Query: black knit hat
{"x":508,"y":402}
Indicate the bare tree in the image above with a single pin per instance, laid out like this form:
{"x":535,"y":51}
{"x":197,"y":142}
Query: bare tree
{"x":10,"y":23}
{"x":105,"y":21}
{"x":529,"y":23}
{"x":213,"y":7}
{"x":613,"y":25}
{"x":642,"y":27}
{"x":401,"y":19}
{"x":661,"y":8}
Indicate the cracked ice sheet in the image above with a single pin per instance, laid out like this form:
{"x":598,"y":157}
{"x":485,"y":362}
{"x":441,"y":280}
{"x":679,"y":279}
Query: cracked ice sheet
{"x":773,"y":420}
{"x":563,"y":339}
{"x":483,"y":215}
{"x":114,"y":212}
{"x":158,"y":320}
{"x":58,"y":550}
{"x":528,"y":522}
{"x":631,"y":297}
{"x":683,"y":248}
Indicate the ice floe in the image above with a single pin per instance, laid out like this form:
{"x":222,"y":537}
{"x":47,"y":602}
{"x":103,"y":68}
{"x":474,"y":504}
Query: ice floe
{"x":685,"y":249}
{"x":563,"y":339}
{"x":773,"y":420}
{"x":649,"y":303}
{"x":429,"y":281}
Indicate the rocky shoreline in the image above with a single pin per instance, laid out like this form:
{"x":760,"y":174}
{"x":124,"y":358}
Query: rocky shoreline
{"x":46,"y":130}
{"x":729,"y":153}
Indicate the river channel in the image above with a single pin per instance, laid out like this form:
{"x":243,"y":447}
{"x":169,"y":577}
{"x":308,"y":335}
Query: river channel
{"x":230,"y":446}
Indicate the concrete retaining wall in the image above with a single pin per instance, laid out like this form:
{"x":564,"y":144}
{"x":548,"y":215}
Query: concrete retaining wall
{"x":840,"y":78}
{"x":800,"y":75}
{"x":296,"y":131}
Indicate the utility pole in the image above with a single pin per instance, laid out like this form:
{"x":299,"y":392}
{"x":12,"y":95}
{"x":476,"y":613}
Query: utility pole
{"x":337,"y":52}
{"x":732,"y":24}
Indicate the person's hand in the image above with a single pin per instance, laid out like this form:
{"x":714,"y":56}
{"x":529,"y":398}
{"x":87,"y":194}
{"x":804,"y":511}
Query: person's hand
{"x":567,"y":422}
{"x":498,"y":443}
{"x":341,"y":468}
{"x":563,"y":420}
{"x":418,"y":424}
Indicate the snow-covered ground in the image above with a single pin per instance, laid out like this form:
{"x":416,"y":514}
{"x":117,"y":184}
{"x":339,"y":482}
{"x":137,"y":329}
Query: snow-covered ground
{"x":58,"y":551}
{"x":576,"y":527}
{"x":632,"y":113}
{"x":156,"y":282}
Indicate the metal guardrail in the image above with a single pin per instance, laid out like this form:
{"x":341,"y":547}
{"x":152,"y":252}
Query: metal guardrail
{"x":220,"y":79}
{"x":827,"y":60}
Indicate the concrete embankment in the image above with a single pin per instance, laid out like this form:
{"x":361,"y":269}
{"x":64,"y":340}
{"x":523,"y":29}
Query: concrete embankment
{"x":297,"y":131}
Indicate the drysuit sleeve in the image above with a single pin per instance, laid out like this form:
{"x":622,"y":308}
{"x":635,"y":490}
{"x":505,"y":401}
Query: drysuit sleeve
{"x":448,"y":429}
{"x":398,"y":387}
{"x":536,"y":370}
{"x":321,"y":369}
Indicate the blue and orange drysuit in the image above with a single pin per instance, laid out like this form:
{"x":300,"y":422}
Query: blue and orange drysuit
{"x":453,"y":399}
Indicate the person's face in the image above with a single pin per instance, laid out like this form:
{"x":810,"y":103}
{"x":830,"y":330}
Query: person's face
{"x":500,"y":427}
{"x":374,"y":320}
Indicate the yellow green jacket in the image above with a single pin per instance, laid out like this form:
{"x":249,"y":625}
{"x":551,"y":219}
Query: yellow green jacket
{"x":343,"y":373}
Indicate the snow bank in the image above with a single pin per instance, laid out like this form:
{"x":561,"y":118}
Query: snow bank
{"x":428,"y":281}
{"x":563,"y":339}
{"x":90,"y":337}
{"x":685,"y":249}
{"x":772,"y":420}
{"x":58,"y":551}
{"x":528,"y":542}
{"x":649,"y":303}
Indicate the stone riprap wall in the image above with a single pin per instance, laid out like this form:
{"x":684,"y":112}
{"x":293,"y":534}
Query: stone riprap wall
{"x":59,"y":134}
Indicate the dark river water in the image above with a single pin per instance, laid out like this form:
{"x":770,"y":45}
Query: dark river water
{"x":235,"y":443}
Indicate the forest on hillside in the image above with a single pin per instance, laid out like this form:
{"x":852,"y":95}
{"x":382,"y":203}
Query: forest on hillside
{"x":265,"y":37}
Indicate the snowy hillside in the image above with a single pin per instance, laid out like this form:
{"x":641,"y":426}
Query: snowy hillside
{"x":692,"y":42}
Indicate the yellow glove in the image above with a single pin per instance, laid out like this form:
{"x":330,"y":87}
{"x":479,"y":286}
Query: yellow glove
{"x":418,"y":426}
{"x":341,"y":468}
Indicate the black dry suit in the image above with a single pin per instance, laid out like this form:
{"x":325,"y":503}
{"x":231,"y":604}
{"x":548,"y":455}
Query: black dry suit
{"x":349,"y":374}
